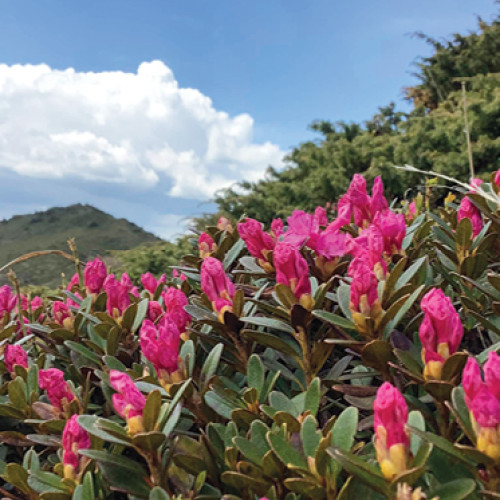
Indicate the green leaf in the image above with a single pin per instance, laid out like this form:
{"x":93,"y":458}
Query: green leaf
{"x":454,"y":490}
{"x":255,"y":373}
{"x":286,"y":453}
{"x":17,"y":393}
{"x":142,"y":309}
{"x":310,"y":436}
{"x":334,"y":319}
{"x":410,"y":272}
{"x":312,"y":397}
{"x":149,"y":441}
{"x":272,"y":341}
{"x":343,"y":298}
{"x":210,"y":366}
{"x":280,"y":402}
{"x":273,"y":324}
{"x":416,"y":419}
{"x":220,"y":405}
{"x":158,"y":493}
{"x":151,"y":410}
{"x":43,"y":482}
{"x":83,"y":351}
{"x":403,"y":310}
{"x":250,"y":450}
{"x":90,"y":423}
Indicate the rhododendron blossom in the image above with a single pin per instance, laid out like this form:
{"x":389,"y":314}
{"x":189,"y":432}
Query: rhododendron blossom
{"x":206,"y":245}
{"x":217,"y":286}
{"x":7,"y":300}
{"x":74,"y":439}
{"x":15,"y":355}
{"x":129,"y":402}
{"x":175,"y":301}
{"x":117,"y":296}
{"x":58,"y":391}
{"x":94,"y":275}
{"x":150,"y":283}
{"x":224,"y":224}
{"x":440,"y":332}
{"x":483,"y":401}
{"x":391,"y":438}
{"x":469,"y":211}
{"x":292,"y":270}
{"x":392,"y":227}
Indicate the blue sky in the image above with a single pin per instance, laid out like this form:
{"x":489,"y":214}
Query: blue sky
{"x":260,"y":72}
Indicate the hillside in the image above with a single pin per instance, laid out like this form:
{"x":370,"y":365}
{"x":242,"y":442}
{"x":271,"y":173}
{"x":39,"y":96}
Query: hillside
{"x":95,"y":233}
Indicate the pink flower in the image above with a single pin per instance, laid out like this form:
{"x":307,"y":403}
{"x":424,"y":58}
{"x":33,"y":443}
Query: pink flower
{"x":469,"y":211}
{"x":60,"y":312}
{"x":129,"y":402}
{"x":206,"y":245}
{"x":117,"y":296}
{"x":160,"y":345}
{"x":74,"y":439}
{"x":175,"y":301}
{"x":320,"y":217}
{"x":175,"y":274}
{"x":154,"y":310}
{"x":497,"y":179}
{"x":292,"y":270}
{"x":94,"y":275}
{"x":214,"y":282}
{"x":7,"y":301}
{"x":369,"y":246}
{"x":391,"y":437}
{"x":331,"y":245}
{"x":36,"y":303}
{"x":483,"y":401}
{"x":150,"y":283}
{"x":359,"y":200}
{"x":224,"y":224}
{"x":378,"y":202}
{"x":343,"y":216}
{"x":15,"y":355}
{"x":440,"y":332}
{"x":392,"y":226}
{"x":58,"y":391}
{"x":304,"y":228}
{"x":258,"y":242}
{"x":127,"y":283}
{"x":277,"y":228}
{"x":474,"y":184}
{"x":412,"y":210}
{"x":73,"y":288}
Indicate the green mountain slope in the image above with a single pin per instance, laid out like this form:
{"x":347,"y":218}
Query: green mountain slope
{"x":95,"y":233}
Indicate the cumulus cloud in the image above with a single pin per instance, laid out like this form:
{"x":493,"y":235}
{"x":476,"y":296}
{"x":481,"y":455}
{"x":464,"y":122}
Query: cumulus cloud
{"x":116,"y":127}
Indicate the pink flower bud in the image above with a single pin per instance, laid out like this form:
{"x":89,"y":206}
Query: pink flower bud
{"x":258,"y":242}
{"x":224,"y":224}
{"x":127,"y":283}
{"x":129,"y":402}
{"x":175,"y":301}
{"x":392,"y":226}
{"x":364,"y":293}
{"x":60,"y":312}
{"x":344,"y":213}
{"x":206,"y":245}
{"x":483,"y":401}
{"x":474,"y":184}
{"x":154,"y":310}
{"x":160,"y":345}
{"x":58,"y":391}
{"x":440,"y":332}
{"x":94,"y":275}
{"x":391,"y":437}
{"x":150,"y":283}
{"x":214,"y":282}
{"x":73,"y":288}
{"x":331,"y":244}
{"x":359,"y":200}
{"x":7,"y":300}
{"x":15,"y":355}
{"x":469,"y":211}
{"x":36,"y":302}
{"x":277,"y":228}
{"x":74,"y":439}
{"x":369,"y":246}
{"x":378,"y":202}
{"x":292,"y":269}
{"x":320,"y":217}
{"x":117,"y":296}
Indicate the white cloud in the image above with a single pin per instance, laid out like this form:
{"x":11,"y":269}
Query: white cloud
{"x":135,"y":128}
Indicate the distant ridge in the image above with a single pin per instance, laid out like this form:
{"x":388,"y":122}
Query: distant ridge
{"x":95,"y":233}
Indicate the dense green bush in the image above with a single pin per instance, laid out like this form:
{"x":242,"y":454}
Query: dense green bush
{"x":263,"y":366}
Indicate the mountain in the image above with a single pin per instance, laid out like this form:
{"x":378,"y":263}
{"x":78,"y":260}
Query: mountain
{"x":95,"y":233}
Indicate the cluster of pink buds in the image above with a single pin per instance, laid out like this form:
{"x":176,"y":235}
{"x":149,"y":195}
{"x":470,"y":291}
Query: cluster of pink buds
{"x":58,"y":391}
{"x":224,"y":224}
{"x":117,"y":296}
{"x":175,"y":301}
{"x":392,"y":227}
{"x":94,"y":275}
{"x":483,"y":401}
{"x":128,"y":401}
{"x":160,"y":345}
{"x":7,"y":301}
{"x":15,"y":355}
{"x":258,"y":242}
{"x":292,"y":270}
{"x":217,"y":286}
{"x":74,"y":439}
{"x":391,"y":437}
{"x":440,"y":332}
{"x":150,"y":283}
{"x":364,"y":302}
{"x":62,"y":314}
{"x":206,"y":245}
{"x":369,"y":247}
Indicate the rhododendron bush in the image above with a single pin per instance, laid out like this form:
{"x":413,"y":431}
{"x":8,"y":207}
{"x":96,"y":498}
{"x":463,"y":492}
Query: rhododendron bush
{"x":341,"y":354}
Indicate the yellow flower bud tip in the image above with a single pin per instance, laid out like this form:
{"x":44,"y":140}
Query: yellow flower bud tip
{"x":443,"y":349}
{"x":69,"y":471}
{"x":307,"y":302}
{"x":488,"y":442}
{"x":135,"y":425}
{"x":433,"y":370}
